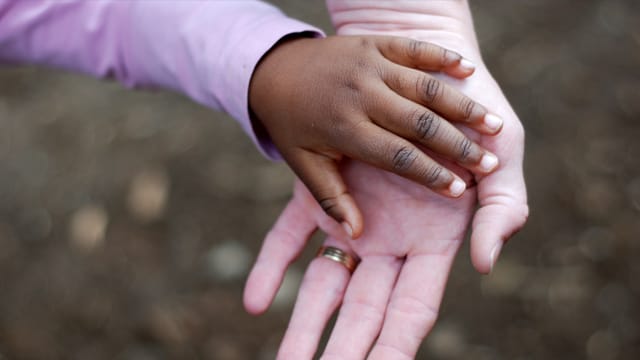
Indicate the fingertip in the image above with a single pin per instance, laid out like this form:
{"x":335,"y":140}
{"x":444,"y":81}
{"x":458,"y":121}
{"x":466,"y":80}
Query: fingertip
{"x":493,"y":226}
{"x":493,"y":123}
{"x":487,"y":238}
{"x":493,"y":255}
{"x":482,"y":268}
{"x":348,"y":215}
{"x":253,"y":308}
{"x":347,"y":228}
{"x":462,"y":69}
{"x":485,"y":260}
{"x":357,"y":222}
{"x":483,"y":257}
{"x":488,"y":163}
{"x":467,"y":65}
{"x":323,"y":179}
{"x":353,"y":226}
{"x":457,"y":188}
{"x":253,"y":298}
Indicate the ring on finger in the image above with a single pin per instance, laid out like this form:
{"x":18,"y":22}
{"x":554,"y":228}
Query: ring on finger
{"x":333,"y":253}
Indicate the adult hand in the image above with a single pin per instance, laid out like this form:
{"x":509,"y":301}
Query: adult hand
{"x":411,"y":236}
{"x":406,"y":251}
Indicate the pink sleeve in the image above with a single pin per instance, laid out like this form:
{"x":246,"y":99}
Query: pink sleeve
{"x":204,"y":49}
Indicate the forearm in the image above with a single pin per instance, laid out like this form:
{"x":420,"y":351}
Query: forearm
{"x":206,"y":50}
{"x":445,"y":22}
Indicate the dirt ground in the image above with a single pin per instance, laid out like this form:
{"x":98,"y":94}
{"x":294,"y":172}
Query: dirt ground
{"x":128,"y":219}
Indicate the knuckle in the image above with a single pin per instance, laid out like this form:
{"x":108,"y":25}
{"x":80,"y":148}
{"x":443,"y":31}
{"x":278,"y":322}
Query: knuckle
{"x":430,"y":88}
{"x":284,"y":236}
{"x":351,"y":85}
{"x":329,"y":204}
{"x":359,"y":77}
{"x":427,"y":125}
{"x":362,"y":63}
{"x":364,"y":310}
{"x":319,"y":280}
{"x":330,"y":354}
{"x":433,"y":175}
{"x":445,"y":56}
{"x":464,"y":148}
{"x":422,"y":316}
{"x":366,"y":42}
{"x":414,"y":49}
{"x":394,"y":79}
{"x":351,"y":78}
{"x":393,"y":351}
{"x":449,"y":57}
{"x":466,"y":107}
{"x":403,"y":159}
{"x":415,"y":307}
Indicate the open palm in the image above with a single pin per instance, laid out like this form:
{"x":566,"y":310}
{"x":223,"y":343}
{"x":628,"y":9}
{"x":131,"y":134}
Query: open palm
{"x":410,"y":240}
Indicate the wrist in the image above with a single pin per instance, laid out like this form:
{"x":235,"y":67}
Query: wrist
{"x":272,"y":63}
{"x":265,"y":86}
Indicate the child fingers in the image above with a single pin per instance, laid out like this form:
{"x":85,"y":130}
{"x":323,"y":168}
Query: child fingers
{"x":416,"y":123}
{"x":424,"y":56}
{"x":321,"y":176}
{"x":427,"y":90}
{"x":387,"y":151}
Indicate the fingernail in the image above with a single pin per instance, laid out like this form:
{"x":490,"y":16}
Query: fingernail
{"x":467,"y":65}
{"x":488,"y":162}
{"x":347,"y":228}
{"x":493,"y":122}
{"x":457,"y":187}
{"x":494,"y":254}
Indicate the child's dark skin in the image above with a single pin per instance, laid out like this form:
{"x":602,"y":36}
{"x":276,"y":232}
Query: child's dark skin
{"x":368,"y":98}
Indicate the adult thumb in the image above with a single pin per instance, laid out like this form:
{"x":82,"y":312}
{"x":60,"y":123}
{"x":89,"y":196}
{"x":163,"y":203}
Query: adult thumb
{"x":503,"y":212}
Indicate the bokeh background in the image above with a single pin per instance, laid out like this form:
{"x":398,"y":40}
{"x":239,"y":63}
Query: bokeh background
{"x":129,"y":219}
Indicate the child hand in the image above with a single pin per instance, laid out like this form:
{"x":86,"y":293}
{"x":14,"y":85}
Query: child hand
{"x":368,"y":98}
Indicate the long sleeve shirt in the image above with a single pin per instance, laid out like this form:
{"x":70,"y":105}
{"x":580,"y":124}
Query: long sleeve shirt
{"x":206,"y":50}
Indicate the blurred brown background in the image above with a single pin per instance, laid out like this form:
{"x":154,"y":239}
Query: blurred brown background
{"x":128,"y":220}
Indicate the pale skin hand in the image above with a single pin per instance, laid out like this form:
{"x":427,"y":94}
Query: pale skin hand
{"x":406,"y":251}
{"x":411,"y":236}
